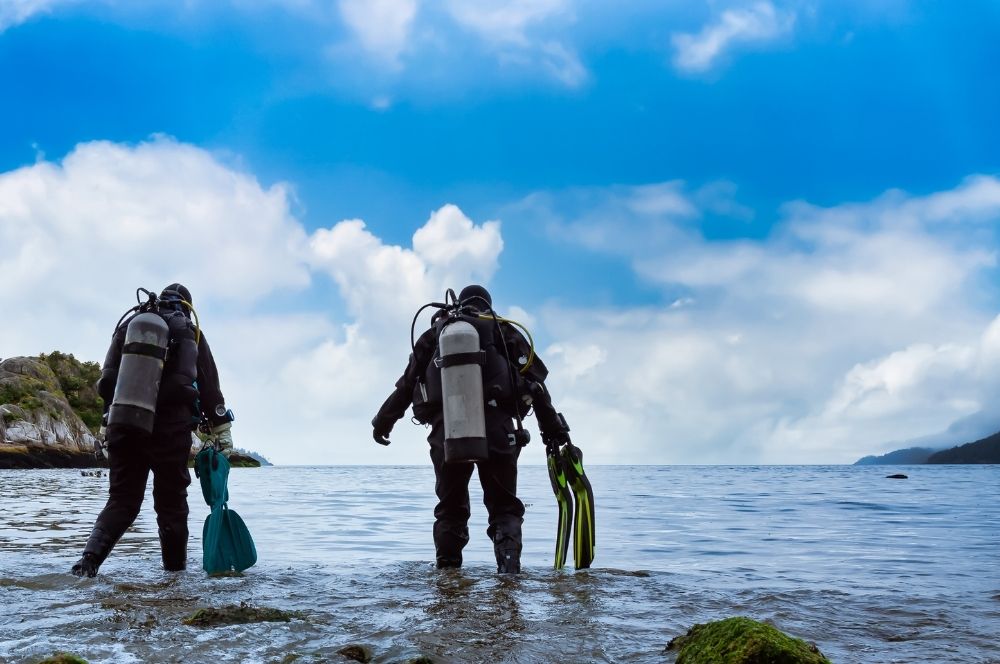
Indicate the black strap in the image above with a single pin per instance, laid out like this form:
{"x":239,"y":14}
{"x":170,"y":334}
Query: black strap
{"x":139,"y":348}
{"x":477,"y":357}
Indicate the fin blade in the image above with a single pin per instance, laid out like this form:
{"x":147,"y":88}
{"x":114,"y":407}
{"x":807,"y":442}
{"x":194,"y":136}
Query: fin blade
{"x":584,"y":526}
{"x":564,"y":505}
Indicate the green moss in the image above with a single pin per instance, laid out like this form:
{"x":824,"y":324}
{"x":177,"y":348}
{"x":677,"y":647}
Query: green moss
{"x":63,"y":658}
{"x":234,"y":615}
{"x":742,"y":641}
{"x":78,"y":382}
{"x":22,"y":392}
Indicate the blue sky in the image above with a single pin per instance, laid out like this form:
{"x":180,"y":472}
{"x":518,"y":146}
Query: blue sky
{"x":742,"y":232}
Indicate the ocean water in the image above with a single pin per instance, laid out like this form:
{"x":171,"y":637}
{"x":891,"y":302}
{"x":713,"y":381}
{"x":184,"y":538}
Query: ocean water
{"x":870,"y":569}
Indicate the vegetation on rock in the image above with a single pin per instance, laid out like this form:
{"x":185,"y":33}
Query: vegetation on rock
{"x":742,"y":641}
{"x":63,"y":658}
{"x":78,"y":383}
{"x":235,"y":615}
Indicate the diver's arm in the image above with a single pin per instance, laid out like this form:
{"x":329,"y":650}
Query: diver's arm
{"x":551,"y":424}
{"x":213,"y":404}
{"x":109,"y":370}
{"x":396,"y":404}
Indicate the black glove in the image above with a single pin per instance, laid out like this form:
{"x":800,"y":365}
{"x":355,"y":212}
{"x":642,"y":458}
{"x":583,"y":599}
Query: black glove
{"x":381,"y":430}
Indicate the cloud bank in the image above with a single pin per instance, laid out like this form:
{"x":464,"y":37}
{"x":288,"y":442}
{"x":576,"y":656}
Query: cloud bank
{"x":846,"y":328}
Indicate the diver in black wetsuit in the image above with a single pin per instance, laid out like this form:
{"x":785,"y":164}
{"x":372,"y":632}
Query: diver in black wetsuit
{"x":189,"y":394}
{"x":506,"y":352}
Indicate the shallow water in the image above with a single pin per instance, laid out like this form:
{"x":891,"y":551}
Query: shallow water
{"x":868,"y":568}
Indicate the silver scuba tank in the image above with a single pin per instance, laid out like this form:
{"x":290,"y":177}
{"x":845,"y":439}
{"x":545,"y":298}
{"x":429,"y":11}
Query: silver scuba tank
{"x":139,"y":374}
{"x":462,"y":394}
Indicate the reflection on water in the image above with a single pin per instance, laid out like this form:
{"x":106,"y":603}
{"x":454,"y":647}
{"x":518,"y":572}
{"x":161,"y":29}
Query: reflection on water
{"x":872,"y":570}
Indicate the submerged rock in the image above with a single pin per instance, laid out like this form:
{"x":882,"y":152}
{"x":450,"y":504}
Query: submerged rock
{"x":357,"y":653}
{"x":742,"y":641}
{"x":236,"y":615}
{"x":63,"y":658}
{"x":896,"y":476}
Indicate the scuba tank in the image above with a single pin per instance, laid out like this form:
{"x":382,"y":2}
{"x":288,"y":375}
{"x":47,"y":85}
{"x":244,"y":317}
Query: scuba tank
{"x":470,"y":370}
{"x":158,"y":362}
{"x":462,"y":393}
{"x":138,"y":384}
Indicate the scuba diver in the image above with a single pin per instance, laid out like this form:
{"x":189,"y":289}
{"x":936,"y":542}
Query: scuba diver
{"x":473,"y":377}
{"x":158,"y":382}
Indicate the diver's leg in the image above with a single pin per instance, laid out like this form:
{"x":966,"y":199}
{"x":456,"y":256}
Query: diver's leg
{"x":451,"y":515}
{"x":498,"y":477}
{"x":128,"y":472}
{"x":171,"y":479}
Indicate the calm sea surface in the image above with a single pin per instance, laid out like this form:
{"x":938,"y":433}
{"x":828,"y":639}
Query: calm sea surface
{"x":870,"y":569}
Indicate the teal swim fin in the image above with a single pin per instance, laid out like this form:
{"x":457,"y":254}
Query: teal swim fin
{"x":564,"y":502}
{"x":584,"y":530}
{"x":226,"y":542}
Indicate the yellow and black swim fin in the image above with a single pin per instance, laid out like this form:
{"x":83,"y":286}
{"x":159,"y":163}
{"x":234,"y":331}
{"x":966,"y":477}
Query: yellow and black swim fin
{"x":564,"y":503}
{"x":584,"y":530}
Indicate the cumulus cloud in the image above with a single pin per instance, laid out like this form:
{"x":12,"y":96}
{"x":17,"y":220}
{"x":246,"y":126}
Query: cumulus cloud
{"x":382,"y":27}
{"x":847,"y":328}
{"x":80,"y":234}
{"x":111,"y":217}
{"x":759,"y":23}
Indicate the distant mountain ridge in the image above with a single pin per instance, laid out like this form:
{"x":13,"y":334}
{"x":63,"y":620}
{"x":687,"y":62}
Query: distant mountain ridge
{"x":911,"y":455}
{"x":986,"y":450}
{"x":982,"y":451}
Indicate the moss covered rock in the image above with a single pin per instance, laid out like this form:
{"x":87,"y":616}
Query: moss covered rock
{"x":236,"y":615}
{"x":39,"y":427}
{"x":742,"y":641}
{"x":63,"y":658}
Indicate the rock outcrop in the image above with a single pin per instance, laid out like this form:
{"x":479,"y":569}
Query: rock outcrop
{"x":742,"y":641}
{"x":39,"y":428}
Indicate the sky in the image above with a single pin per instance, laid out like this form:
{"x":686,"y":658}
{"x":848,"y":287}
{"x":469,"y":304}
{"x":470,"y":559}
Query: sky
{"x":740,"y":232}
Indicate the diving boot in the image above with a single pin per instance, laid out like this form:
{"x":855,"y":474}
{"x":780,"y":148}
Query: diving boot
{"x":508,"y":561}
{"x":449,"y":562}
{"x":87,"y":566}
{"x":507,"y":547}
{"x":98,"y":547}
{"x":173,"y":550}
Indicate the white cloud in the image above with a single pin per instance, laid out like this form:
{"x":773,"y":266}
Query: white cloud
{"x":15,"y":12}
{"x":508,"y":28}
{"x":110,"y":217}
{"x":758,"y":23}
{"x":507,"y":21}
{"x":846,"y":329}
{"x":382,"y":27}
{"x":79,"y":235}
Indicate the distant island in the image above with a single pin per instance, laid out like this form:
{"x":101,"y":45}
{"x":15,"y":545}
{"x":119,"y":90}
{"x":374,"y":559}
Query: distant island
{"x":50,"y":414}
{"x":985,"y":450}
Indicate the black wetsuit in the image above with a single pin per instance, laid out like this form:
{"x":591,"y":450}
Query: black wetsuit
{"x":132,"y":454}
{"x":497,"y":475}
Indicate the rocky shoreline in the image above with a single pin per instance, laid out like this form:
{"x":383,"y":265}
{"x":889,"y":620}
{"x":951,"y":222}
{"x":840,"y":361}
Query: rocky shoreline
{"x":43,"y":403}
{"x":50,"y":413}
